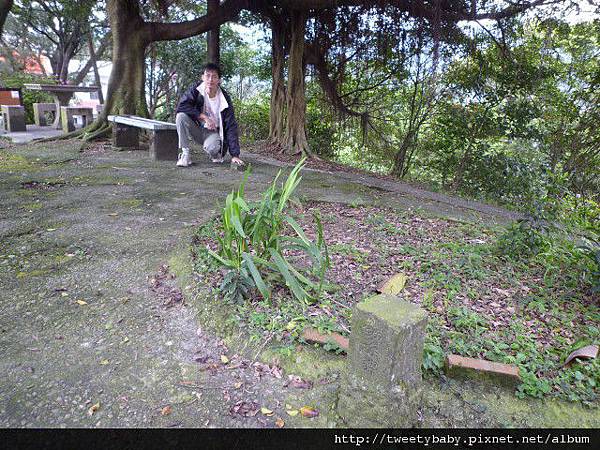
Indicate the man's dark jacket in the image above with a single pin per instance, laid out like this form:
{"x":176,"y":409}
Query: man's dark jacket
{"x":192,"y":103}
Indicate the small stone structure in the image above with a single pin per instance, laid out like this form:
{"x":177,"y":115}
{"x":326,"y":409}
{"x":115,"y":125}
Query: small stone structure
{"x":163,"y":135}
{"x":382,"y":386}
{"x":67,"y":113}
{"x":462,"y":367}
{"x":39,"y":113}
{"x":14,"y":118}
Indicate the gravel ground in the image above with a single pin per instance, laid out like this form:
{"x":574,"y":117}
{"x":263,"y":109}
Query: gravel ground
{"x":90,"y":337}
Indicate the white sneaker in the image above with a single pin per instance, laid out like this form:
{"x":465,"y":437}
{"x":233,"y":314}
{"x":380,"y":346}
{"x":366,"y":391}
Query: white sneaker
{"x":218,"y":160}
{"x":184,"y":159}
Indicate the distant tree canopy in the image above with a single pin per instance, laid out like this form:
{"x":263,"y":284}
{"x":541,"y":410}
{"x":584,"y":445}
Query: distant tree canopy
{"x":335,"y":26}
{"x":57,"y":29}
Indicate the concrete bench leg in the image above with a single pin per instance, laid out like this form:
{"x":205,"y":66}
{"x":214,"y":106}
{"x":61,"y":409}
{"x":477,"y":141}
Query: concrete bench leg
{"x":14,"y":118}
{"x":67,"y":114}
{"x":39,"y":113}
{"x":125,"y":136}
{"x":163,"y":145}
{"x":66,"y":118}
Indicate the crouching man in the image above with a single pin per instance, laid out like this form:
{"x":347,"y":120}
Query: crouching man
{"x":205,"y":115}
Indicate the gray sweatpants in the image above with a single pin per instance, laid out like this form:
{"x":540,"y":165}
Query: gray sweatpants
{"x":188,"y":131}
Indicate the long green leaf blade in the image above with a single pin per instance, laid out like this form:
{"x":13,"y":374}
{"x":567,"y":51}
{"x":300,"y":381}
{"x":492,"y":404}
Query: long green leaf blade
{"x":290,"y":280}
{"x":260,"y":284}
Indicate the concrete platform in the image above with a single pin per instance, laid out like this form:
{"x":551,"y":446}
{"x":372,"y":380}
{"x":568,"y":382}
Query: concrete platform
{"x":33,"y":132}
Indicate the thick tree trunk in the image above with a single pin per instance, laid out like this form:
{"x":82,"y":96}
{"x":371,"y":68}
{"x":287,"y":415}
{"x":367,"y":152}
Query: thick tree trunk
{"x":63,"y":74}
{"x":278,"y":100}
{"x":399,"y":168}
{"x":463,"y":164}
{"x":126,"y":86}
{"x":295,"y":130}
{"x":5,"y":6}
{"x":56,"y":62}
{"x":213,"y":38}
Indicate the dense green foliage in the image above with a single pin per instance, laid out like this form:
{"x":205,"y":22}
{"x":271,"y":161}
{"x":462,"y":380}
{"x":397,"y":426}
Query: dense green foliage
{"x":509,"y":122}
{"x":252,"y":245}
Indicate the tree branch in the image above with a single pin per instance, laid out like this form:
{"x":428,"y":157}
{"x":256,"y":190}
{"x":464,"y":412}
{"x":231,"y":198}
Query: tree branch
{"x":227,"y":11}
{"x":93,"y":58}
{"x":5,"y":6}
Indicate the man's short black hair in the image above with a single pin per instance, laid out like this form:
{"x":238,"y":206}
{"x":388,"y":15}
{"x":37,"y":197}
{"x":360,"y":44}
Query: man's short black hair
{"x":212,"y":67}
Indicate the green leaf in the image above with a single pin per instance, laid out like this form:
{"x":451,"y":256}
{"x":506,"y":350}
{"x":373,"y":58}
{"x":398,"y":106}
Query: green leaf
{"x":302,"y":278}
{"x":238,"y":226}
{"x":242,"y":204}
{"x":260,"y":284}
{"x":298,"y":229}
{"x":226,"y":263}
{"x":290,"y":280}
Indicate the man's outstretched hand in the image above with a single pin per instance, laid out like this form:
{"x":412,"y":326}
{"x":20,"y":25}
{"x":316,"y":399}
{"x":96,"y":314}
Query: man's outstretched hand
{"x":236,"y":160}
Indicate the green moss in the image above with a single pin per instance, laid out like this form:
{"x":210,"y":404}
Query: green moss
{"x":308,"y":362}
{"x":29,"y":193}
{"x":37,"y":205}
{"x":33,"y":273}
{"x":100,"y":180}
{"x":397,"y":312}
{"x":62,"y":259}
{"x":477,"y":404}
{"x":11,"y":163}
{"x":132,"y":203}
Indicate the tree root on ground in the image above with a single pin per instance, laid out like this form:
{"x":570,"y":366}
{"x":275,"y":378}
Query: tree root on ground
{"x":61,"y":137}
{"x":95,"y":130}
{"x":91,"y":136}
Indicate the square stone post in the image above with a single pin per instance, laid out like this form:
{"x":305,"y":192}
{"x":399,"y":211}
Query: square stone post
{"x":67,"y":113}
{"x":14,"y":118}
{"x":382,"y":386}
{"x":39,"y":113}
{"x":66,"y":119}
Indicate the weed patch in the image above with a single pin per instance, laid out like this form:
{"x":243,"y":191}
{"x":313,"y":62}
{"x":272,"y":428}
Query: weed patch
{"x":526,"y":311}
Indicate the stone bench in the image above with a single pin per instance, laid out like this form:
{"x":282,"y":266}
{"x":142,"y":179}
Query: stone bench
{"x":163,"y":135}
{"x":68,"y":112}
{"x":39,"y":113}
{"x":13,"y":118}
{"x":382,"y":385}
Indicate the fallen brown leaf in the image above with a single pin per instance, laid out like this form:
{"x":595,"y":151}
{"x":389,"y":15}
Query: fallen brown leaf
{"x":587,"y":352}
{"x":93,"y":408}
{"x":309,"y":412}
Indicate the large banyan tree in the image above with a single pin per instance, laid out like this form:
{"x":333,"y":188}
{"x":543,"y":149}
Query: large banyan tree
{"x":321,"y":33}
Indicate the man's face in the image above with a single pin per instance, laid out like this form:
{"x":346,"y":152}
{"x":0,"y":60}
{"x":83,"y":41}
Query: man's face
{"x":211,"y":79}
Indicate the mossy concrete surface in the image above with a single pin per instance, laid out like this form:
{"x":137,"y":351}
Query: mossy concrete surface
{"x":85,"y":341}
{"x":382,"y":383}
